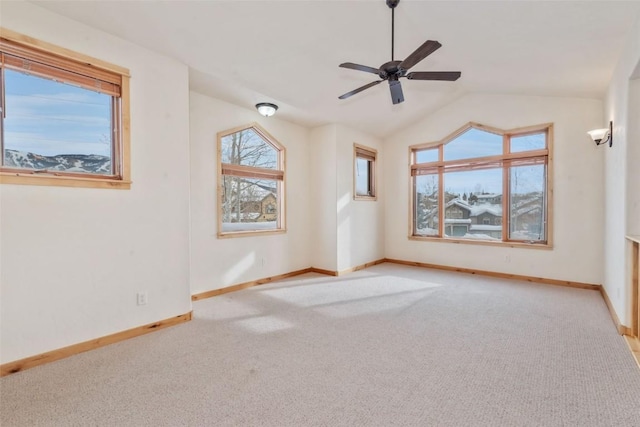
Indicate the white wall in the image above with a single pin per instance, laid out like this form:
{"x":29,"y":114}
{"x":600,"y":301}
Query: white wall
{"x":217,"y":263}
{"x":621,"y":176}
{"x":346,"y":232}
{"x":360,"y":227}
{"x":633,"y":157}
{"x":578,"y":188}
{"x":323,"y":178}
{"x":73,"y":258}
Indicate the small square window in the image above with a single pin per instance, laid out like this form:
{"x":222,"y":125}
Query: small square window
{"x":62,"y":117}
{"x":364,"y":172}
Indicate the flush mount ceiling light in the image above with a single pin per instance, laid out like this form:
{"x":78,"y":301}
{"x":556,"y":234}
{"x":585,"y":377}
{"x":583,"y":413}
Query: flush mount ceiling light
{"x":602,"y":136}
{"x":267,"y":109}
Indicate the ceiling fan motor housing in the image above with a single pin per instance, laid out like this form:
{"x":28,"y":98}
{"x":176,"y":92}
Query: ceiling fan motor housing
{"x":390,"y":69}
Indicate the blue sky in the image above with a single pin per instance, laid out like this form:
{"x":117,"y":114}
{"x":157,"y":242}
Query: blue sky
{"x":49,"y":118}
{"x":524,"y":179}
{"x":478,"y":143}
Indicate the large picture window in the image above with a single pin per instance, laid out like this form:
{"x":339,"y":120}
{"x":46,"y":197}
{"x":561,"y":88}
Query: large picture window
{"x":483,"y":184}
{"x":251,"y":182}
{"x":64,"y":117}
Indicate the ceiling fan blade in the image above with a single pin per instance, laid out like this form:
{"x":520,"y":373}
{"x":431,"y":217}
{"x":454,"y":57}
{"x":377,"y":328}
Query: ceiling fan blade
{"x":360,"y":89}
{"x":419,"y":54}
{"x":396,"y":91}
{"x":359,"y":67}
{"x":450,"y":76}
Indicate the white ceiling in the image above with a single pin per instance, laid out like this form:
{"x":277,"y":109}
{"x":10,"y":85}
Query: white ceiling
{"x":288,"y":52}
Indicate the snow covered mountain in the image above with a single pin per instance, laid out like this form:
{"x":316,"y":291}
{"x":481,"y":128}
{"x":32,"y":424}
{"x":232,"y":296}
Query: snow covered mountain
{"x":79,"y":163}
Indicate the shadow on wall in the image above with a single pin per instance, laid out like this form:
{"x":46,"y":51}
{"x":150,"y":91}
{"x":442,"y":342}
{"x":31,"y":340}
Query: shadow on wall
{"x":633,"y":154}
{"x":344,"y":232}
{"x":239,"y":268}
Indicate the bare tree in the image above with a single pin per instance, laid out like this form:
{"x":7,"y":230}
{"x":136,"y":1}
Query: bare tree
{"x":240,"y":194}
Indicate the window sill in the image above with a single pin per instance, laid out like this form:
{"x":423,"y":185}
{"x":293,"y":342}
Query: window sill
{"x":256,"y":233}
{"x":366,"y":198}
{"x":62,"y":181}
{"x":544,"y":246}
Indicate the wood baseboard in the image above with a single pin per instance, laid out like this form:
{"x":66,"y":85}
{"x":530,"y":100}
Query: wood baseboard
{"x":322,"y":271}
{"x":544,"y":280}
{"x":634,"y":346}
{"x":245,"y":285}
{"x":360,"y":267}
{"x":61,"y":353}
{"x":622,"y":330}
{"x":348,"y":270}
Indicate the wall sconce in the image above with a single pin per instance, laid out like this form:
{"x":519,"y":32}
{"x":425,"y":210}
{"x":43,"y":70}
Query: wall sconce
{"x":267,"y":109}
{"x":602,"y":136}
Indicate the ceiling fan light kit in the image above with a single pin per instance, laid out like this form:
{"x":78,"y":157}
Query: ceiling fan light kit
{"x":393,"y":70}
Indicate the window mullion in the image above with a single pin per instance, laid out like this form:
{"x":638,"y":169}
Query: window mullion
{"x":441,"y":201}
{"x":506,"y":194}
{"x":506,"y":202}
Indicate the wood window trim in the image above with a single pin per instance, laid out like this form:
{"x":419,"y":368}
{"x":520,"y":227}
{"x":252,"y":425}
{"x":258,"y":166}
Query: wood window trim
{"x":507,"y":159}
{"x":278,"y":175}
{"x":370,"y":154}
{"x":76,"y":62}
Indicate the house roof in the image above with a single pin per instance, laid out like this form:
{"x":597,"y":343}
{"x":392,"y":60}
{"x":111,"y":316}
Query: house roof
{"x":476,"y":210}
{"x":288,"y":52}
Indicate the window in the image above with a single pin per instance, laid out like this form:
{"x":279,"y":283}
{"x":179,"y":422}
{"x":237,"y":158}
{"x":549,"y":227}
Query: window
{"x":483,"y":184}
{"x":364,"y":172}
{"x":64,"y":117}
{"x":251,"y":182}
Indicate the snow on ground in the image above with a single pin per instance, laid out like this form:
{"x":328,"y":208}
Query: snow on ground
{"x":248,"y":226}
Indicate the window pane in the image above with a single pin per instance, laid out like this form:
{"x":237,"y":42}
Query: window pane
{"x":363,"y":177}
{"x":55,"y":126}
{"x":247,"y":148}
{"x":249,"y":204}
{"x":473,"y":143}
{"x":473,"y":207}
{"x":425,"y":156}
{"x":426,"y":205}
{"x":528,"y":142}
{"x":526,"y":216}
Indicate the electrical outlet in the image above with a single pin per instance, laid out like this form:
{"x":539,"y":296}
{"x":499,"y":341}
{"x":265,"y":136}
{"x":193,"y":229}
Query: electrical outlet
{"x":142,"y":298}
{"x":507,"y":258}
{"x":264,"y":262}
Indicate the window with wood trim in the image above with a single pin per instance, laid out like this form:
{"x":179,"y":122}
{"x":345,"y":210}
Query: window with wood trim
{"x":364,"y":172}
{"x":483,"y":184}
{"x":63,"y":117}
{"x":251,"y":182}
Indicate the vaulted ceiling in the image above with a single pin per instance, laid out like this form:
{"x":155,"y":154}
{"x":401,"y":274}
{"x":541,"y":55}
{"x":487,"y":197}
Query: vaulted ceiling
{"x":288,"y":52}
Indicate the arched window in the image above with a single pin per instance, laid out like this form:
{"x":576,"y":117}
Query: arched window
{"x":489,"y":172}
{"x":251,"y":167}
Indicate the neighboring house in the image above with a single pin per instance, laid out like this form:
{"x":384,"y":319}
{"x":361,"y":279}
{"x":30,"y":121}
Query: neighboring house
{"x":527,"y":220}
{"x":462,"y":219}
{"x":258,"y":210}
{"x":482,"y":218}
{"x":493,"y":199}
{"x":268,"y":209}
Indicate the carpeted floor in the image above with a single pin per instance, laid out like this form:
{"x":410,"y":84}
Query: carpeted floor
{"x":387,"y":346}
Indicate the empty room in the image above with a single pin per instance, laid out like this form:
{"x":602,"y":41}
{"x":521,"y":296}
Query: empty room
{"x":319,"y":213}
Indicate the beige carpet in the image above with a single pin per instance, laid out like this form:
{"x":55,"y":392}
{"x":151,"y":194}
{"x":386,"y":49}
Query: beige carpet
{"x":390,"y":345}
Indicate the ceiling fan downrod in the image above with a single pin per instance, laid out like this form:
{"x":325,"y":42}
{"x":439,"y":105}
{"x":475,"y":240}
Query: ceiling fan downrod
{"x":392,"y":4}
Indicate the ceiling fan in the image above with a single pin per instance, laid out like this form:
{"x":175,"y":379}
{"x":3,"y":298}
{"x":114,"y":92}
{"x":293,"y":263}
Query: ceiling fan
{"x":392,"y":71}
